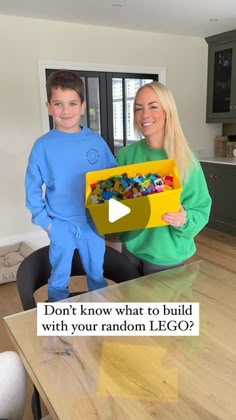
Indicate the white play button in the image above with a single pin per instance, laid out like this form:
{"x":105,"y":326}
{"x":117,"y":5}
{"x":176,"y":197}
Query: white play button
{"x":116,"y":210}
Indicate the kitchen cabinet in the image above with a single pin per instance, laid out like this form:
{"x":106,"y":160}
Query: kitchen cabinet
{"x":221,"y":180}
{"x":221,"y":79}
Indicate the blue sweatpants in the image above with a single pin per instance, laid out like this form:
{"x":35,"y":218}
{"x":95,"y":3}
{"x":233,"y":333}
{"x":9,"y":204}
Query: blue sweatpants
{"x":65,"y":237}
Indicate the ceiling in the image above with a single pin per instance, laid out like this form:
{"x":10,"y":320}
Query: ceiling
{"x":183,"y":17}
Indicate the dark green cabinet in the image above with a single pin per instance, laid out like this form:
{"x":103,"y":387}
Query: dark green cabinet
{"x":221,"y":184}
{"x":221,"y":80}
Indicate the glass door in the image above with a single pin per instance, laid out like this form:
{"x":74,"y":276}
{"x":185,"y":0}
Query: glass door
{"x":110,"y":98}
{"x":121,"y":114}
{"x":92,"y":117}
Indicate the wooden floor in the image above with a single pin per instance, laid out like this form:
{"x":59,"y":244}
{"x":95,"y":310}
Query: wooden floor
{"x":211,"y":245}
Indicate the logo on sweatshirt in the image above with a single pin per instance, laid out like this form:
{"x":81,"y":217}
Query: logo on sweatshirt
{"x":92,"y":156}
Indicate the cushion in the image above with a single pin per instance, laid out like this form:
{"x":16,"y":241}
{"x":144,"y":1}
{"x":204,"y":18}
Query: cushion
{"x":10,"y":258}
{"x":13,"y":385}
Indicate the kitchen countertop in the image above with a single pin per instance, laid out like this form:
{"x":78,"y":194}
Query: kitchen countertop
{"x":221,"y":160}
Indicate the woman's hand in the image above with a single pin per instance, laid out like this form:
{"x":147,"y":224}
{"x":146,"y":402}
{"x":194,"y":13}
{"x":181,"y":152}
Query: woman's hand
{"x":176,"y":219}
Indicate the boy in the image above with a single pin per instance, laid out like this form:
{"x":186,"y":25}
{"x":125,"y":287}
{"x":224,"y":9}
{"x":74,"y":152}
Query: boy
{"x":59,"y":160}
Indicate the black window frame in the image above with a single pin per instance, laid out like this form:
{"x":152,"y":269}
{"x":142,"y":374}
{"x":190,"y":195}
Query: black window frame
{"x":106,"y":98}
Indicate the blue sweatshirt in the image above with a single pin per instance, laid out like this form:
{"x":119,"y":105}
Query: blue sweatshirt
{"x":60,"y":161}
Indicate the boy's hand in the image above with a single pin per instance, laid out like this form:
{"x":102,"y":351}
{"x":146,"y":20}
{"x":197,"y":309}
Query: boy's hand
{"x":176,"y":219}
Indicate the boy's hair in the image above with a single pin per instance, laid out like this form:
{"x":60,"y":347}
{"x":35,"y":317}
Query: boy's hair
{"x":65,"y":79}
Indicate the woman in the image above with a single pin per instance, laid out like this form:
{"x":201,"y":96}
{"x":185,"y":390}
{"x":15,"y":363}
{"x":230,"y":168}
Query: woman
{"x":160,"y":248}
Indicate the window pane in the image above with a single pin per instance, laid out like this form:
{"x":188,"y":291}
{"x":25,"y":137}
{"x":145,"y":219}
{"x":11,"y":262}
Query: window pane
{"x":91,"y":118}
{"x":83,"y":119}
{"x":117,"y":101}
{"x":131,"y":87}
{"x":222,"y":80}
{"x":94,"y":104}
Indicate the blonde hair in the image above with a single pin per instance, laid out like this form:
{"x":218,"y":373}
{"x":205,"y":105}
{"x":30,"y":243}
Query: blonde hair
{"x":175,"y":142}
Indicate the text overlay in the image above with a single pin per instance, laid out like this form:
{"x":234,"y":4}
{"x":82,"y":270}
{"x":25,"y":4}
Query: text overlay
{"x":118,"y":319}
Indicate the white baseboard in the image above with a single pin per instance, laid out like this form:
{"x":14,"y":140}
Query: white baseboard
{"x":38,"y":239}
{"x":35,"y":240}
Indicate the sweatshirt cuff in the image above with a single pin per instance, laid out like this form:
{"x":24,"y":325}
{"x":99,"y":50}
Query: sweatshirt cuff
{"x":44,"y":222}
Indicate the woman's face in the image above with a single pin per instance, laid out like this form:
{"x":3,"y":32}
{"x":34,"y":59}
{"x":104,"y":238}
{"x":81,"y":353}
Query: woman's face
{"x":150,"y":117}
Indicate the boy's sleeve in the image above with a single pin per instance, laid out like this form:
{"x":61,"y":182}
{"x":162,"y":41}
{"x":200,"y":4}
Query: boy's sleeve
{"x":196,"y":201}
{"x":111,"y":161}
{"x":35,"y":201}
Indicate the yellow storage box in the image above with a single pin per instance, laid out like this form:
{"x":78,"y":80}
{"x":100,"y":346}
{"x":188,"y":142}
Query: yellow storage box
{"x":145,"y":211}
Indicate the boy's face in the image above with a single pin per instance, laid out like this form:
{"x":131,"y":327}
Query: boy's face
{"x":66,"y":109}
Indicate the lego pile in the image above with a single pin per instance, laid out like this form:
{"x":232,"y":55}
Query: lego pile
{"x":123,"y":187}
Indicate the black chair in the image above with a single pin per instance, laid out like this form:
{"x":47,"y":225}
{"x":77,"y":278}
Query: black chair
{"x":34,"y":272}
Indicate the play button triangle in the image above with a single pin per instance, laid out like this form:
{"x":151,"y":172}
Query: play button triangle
{"x":116,"y":210}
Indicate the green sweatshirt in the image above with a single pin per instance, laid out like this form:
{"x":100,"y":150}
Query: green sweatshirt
{"x":167,"y":245}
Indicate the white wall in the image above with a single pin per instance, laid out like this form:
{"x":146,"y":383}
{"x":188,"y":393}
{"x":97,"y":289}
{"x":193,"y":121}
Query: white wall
{"x":23,"y":42}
